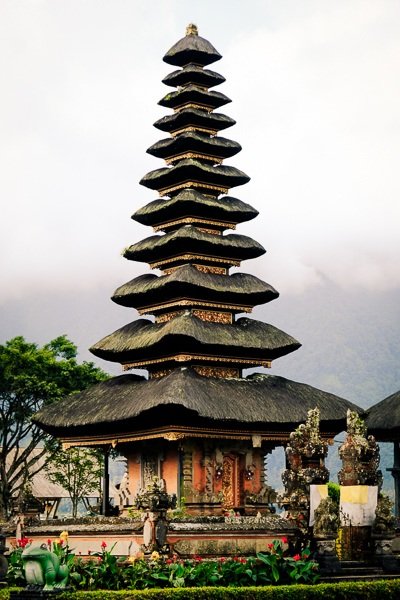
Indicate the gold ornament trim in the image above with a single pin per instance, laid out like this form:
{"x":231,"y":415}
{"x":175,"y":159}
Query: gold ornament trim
{"x":194,"y":105}
{"x":208,"y":157}
{"x":189,"y":257}
{"x":202,"y":268}
{"x":192,"y":184}
{"x":191,"y":220}
{"x":221,"y":372}
{"x":194,"y":302}
{"x":182,"y":358}
{"x":194,"y":128}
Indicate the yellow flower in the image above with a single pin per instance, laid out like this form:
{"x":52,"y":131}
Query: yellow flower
{"x":155,"y":555}
{"x":64,"y":537}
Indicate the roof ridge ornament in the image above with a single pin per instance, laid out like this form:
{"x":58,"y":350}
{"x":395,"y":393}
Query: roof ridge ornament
{"x":192,"y":29}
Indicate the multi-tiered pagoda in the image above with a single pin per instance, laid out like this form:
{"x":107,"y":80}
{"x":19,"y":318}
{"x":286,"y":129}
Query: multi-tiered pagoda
{"x":196,"y":421}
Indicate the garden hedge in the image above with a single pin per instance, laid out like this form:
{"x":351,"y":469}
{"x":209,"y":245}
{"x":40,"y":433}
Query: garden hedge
{"x":356,"y":590}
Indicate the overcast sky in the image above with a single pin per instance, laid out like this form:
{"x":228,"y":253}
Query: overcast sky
{"x":315,"y":89}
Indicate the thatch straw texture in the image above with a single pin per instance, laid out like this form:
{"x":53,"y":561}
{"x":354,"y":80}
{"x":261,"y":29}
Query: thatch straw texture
{"x":189,"y":239}
{"x":194,"y":141}
{"x":265,"y":400}
{"x":188,"y":282}
{"x":383,"y":419}
{"x":246,"y":338}
{"x":192,"y":49}
{"x":190,"y":203}
{"x":194,"y":117}
{"x":195,"y":75}
{"x":195,"y":95}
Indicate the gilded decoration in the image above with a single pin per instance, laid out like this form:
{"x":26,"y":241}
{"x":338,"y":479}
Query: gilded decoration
{"x":168,"y":316}
{"x":189,"y":257}
{"x":191,"y":221}
{"x":213,"y":316}
{"x":210,"y":231}
{"x":229,"y":482}
{"x":142,"y":364}
{"x":193,"y":105}
{"x":191,"y":303}
{"x":212,"y":269}
{"x":192,"y":29}
{"x":174,"y":436}
{"x":160,"y":373}
{"x":178,"y":157}
{"x":211,"y":132}
{"x":192,"y":184}
{"x":221,"y":372}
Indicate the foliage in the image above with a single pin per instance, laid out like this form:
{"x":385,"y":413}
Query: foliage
{"x":32,"y":377}
{"x":334,"y":492}
{"x":78,"y":470}
{"x":103,"y":570}
{"x":356,"y":590}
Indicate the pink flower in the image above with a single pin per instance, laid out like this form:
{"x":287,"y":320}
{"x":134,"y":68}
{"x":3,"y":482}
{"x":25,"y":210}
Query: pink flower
{"x":296,"y":557}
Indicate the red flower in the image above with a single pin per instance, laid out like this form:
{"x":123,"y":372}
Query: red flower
{"x":243,"y":560}
{"x":103,"y":545}
{"x":296,"y":557}
{"x":22,"y":542}
{"x":270,"y":546}
{"x":49,"y":543}
{"x":168,"y":561}
{"x":222,"y":559}
{"x":284,"y":540}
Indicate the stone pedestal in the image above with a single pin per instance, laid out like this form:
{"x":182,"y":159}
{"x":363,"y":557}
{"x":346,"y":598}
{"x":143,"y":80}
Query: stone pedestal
{"x":383,"y":554}
{"x":326,"y":556}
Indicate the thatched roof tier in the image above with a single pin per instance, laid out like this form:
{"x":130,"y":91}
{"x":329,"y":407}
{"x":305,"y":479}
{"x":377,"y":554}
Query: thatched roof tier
{"x":383,"y":419}
{"x":192,"y":94}
{"x":143,"y":340}
{"x":196,"y":143}
{"x":187,"y":282}
{"x":192,"y":49}
{"x":191,"y":203}
{"x":192,"y":74}
{"x":172,"y":179}
{"x":195,"y":119}
{"x":262,"y":402}
{"x":189,"y":240}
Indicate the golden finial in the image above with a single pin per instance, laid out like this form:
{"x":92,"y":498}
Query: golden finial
{"x":191,"y":29}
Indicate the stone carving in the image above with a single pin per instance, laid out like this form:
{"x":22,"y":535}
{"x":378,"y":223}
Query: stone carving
{"x":155,"y":501}
{"x":326,"y":519}
{"x":43,"y":568}
{"x":384,"y":519}
{"x":359,"y":455}
{"x":305,"y":454}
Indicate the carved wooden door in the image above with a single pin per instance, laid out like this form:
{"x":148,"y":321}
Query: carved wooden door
{"x":231,"y":483}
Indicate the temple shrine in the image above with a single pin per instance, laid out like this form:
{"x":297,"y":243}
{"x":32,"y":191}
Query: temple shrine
{"x":195,"y":420}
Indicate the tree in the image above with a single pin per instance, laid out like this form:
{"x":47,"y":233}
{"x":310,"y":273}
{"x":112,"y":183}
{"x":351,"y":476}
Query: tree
{"x":78,"y":470}
{"x":31,"y":377}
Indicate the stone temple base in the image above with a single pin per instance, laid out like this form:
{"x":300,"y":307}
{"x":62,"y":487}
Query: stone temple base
{"x":35,"y":594}
{"x":201,"y":535}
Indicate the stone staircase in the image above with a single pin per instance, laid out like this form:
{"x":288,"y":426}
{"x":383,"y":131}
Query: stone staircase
{"x":353,"y":570}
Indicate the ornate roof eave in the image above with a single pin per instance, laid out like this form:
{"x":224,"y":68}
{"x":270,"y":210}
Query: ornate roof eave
{"x":211,"y":148}
{"x":194,"y":95}
{"x":143,"y":340}
{"x":195,"y":75}
{"x":266,"y":405}
{"x":192,"y":49}
{"x":188,"y":171}
{"x":195,"y":118}
{"x":191,"y":241}
{"x":188,"y":283}
{"x":190,"y":202}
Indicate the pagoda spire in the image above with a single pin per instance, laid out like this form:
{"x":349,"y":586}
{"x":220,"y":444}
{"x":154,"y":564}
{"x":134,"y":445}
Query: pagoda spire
{"x":195,"y":300}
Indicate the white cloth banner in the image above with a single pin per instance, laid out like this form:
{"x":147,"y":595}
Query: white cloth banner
{"x":358,"y":504}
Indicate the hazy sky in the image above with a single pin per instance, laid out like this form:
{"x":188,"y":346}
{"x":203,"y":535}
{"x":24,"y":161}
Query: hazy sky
{"x":315,"y":89}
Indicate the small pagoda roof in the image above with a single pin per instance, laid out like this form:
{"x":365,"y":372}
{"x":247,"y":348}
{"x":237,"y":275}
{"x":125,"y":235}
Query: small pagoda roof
{"x":189,"y":240}
{"x":196,"y":142}
{"x":187,"y":282}
{"x":191,"y":94}
{"x":383,"y":420}
{"x":192,"y":74}
{"x":268,"y":401}
{"x":192,"y":49}
{"x":188,"y":170}
{"x":191,"y":203}
{"x":143,"y":340}
{"x":194,"y":118}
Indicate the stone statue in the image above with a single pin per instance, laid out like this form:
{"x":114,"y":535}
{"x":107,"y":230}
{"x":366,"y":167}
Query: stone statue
{"x":43,"y":568}
{"x":384,"y":519}
{"x":326,"y":517}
